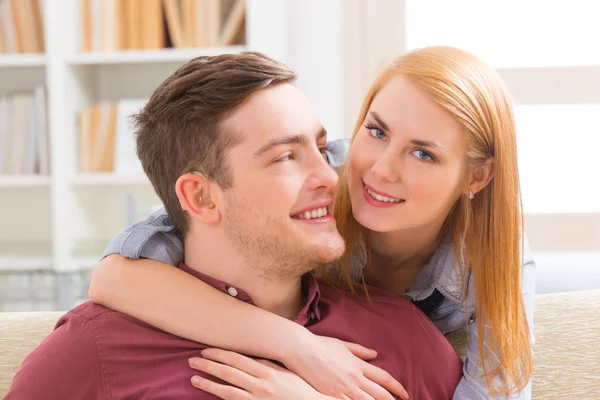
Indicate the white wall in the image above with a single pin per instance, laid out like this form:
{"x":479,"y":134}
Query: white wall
{"x":314,"y":52}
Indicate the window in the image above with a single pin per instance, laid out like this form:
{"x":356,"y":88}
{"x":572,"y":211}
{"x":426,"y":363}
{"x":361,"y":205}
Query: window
{"x":510,"y":33}
{"x":539,"y":49}
{"x":559,"y":158}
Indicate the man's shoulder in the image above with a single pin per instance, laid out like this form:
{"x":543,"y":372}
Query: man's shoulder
{"x":397,"y":310}
{"x":92,"y":316}
{"x":409,"y":344}
{"x":89,"y":311}
{"x":372,"y":295}
{"x":70,"y":353}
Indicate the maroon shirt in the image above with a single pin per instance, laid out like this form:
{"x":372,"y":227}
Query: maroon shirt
{"x":98,"y":353}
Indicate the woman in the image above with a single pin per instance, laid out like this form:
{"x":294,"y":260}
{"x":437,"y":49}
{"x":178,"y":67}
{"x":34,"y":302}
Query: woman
{"x":430,"y":207}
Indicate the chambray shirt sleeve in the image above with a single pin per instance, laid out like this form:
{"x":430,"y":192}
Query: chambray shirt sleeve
{"x":153,"y":238}
{"x":473,"y":385}
{"x":336,"y":151}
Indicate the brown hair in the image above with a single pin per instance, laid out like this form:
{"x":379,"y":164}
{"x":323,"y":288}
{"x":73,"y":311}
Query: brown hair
{"x":487,"y":231}
{"x":178,"y":131}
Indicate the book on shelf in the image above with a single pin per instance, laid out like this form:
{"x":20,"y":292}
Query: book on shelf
{"x":24,"y":147}
{"x":21,"y":26}
{"x":113,"y":25}
{"x":106,"y":141}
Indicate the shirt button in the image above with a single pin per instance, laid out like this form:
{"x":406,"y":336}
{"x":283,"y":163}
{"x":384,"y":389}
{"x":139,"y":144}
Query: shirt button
{"x":232,"y":291}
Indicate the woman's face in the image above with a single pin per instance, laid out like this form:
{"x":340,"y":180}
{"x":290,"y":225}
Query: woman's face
{"x":407,"y":164}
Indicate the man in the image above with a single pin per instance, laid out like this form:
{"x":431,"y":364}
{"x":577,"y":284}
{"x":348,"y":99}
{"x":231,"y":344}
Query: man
{"x":236,"y":155}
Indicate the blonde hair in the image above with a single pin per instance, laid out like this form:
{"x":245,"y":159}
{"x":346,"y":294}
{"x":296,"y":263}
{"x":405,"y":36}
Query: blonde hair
{"x":487,"y":230}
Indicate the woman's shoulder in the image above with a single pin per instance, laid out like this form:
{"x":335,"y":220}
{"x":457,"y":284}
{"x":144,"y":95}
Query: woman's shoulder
{"x":456,"y":281}
{"x":336,"y":151}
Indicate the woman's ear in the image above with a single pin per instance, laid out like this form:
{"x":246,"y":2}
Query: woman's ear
{"x":480,"y":176}
{"x":194,"y":193}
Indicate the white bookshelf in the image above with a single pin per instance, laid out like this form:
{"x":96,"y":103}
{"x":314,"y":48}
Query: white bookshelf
{"x":108,"y":179}
{"x":22,"y":60}
{"x":24,"y":181}
{"x":25,"y":262}
{"x":25,"y":255}
{"x":149,"y":56}
{"x":49,"y":221}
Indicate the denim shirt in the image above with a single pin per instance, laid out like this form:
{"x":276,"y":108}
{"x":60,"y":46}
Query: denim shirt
{"x":155,"y":238}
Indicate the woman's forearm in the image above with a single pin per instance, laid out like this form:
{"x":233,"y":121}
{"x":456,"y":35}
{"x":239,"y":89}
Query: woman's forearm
{"x":178,"y":303}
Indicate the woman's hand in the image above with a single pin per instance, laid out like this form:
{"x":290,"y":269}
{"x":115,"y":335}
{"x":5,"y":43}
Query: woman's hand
{"x":337,"y":368}
{"x":251,"y":379}
{"x":333,"y":367}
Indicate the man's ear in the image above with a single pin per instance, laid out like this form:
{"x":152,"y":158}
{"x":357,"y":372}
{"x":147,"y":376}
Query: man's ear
{"x":480,"y":176}
{"x":194,"y":193}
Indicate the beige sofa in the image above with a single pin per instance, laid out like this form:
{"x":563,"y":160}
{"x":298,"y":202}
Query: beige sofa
{"x":567,"y":350}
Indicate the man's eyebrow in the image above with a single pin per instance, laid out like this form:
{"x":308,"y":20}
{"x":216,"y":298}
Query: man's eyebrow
{"x":290,"y":139}
{"x":379,"y":120}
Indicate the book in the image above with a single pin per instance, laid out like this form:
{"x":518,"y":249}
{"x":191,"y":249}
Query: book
{"x":107,"y":138}
{"x":114,"y":25}
{"x":23,"y":133}
{"x":21,"y":26}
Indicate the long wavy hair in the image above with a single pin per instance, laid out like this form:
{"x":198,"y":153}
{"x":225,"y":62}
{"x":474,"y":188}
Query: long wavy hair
{"x":486,"y":231}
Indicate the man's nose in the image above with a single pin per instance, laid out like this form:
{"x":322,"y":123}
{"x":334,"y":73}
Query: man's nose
{"x":323,"y":175}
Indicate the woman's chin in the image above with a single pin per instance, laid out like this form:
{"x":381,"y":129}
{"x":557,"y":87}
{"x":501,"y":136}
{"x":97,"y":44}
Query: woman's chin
{"x":371,"y":222}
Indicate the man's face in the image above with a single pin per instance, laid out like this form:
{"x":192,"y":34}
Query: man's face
{"x":278,"y":212}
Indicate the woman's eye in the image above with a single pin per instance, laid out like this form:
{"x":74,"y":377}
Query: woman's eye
{"x":376,"y":132}
{"x":423,"y":155}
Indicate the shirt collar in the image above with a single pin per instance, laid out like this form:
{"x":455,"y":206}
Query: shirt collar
{"x":310,"y":288}
{"x":441,"y":272}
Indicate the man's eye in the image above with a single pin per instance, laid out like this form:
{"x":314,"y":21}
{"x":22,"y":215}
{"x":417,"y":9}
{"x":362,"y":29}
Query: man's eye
{"x":323,"y":151}
{"x":285,"y":158}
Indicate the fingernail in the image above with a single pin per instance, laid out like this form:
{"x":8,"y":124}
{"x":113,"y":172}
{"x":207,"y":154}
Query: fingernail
{"x":193,"y":362}
{"x":196,"y":380}
{"x":206,"y":352}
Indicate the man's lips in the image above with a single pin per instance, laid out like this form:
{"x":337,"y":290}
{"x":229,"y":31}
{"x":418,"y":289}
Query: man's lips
{"x":314,"y":207}
{"x":318,"y":212}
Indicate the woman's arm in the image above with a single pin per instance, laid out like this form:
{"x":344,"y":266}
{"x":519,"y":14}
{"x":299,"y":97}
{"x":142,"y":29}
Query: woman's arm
{"x":187,"y":306}
{"x":192,"y":309}
{"x":153,"y":237}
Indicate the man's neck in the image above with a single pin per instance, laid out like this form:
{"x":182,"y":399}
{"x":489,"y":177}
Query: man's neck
{"x":216,"y":259}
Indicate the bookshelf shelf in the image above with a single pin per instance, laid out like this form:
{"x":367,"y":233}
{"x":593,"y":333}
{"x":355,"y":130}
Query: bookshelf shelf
{"x":25,"y":256}
{"x":25,"y":263}
{"x":149,"y":56}
{"x":109,"y":179}
{"x":22,"y":60}
{"x":16,"y":181}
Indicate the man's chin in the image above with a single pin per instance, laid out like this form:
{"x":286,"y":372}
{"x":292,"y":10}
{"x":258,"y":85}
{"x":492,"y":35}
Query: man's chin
{"x":328,"y":251}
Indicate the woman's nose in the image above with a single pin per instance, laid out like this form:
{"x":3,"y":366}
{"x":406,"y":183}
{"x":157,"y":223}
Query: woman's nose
{"x":386,"y":168}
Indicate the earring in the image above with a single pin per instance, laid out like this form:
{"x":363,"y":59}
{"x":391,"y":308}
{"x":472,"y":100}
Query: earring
{"x":471,"y":195}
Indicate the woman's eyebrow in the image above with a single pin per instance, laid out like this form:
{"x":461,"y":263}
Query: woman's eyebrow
{"x":377,"y":118}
